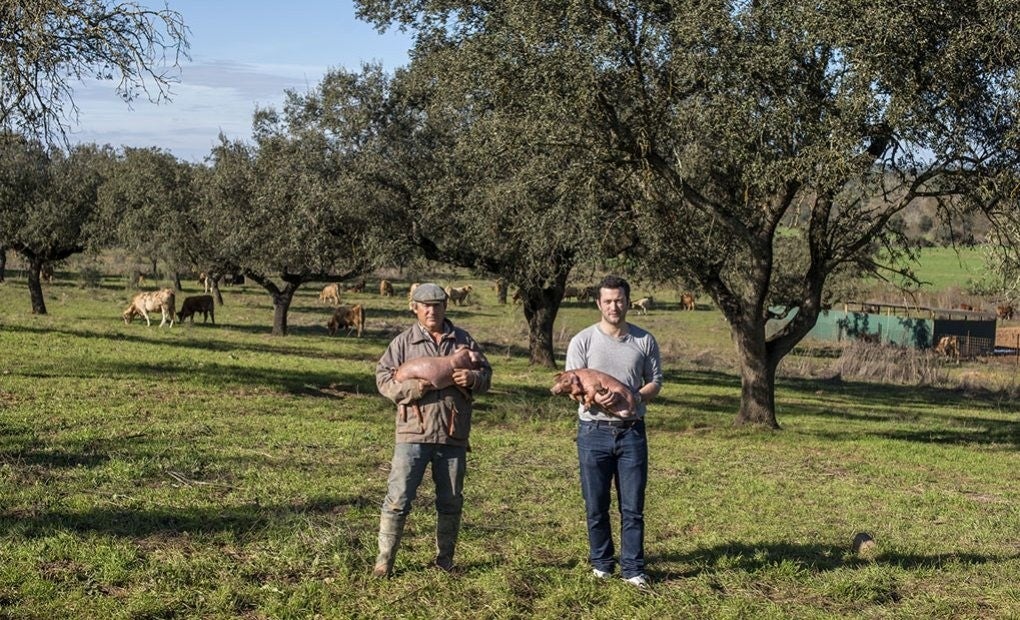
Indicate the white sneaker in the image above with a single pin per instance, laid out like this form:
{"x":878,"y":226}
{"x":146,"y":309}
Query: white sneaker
{"x":640,"y":581}
{"x":600,"y":574}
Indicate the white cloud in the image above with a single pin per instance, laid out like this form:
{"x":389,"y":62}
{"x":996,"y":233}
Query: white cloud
{"x":211,"y":97}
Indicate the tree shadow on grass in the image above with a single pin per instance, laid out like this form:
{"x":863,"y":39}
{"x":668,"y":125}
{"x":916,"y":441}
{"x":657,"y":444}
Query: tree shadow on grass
{"x":169,"y":521}
{"x":227,"y":346}
{"x":905,"y":413}
{"x":814,"y":558}
{"x":332,"y":385}
{"x":908,"y":413}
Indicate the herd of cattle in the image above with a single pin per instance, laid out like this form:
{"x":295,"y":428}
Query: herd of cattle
{"x":351,"y":318}
{"x":164,"y":301}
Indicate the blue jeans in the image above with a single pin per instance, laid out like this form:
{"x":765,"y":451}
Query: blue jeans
{"x":609,"y":455}
{"x":408,"y":468}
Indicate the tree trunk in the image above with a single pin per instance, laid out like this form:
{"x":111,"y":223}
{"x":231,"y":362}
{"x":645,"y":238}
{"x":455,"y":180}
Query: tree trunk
{"x":540,"y":328}
{"x":35,"y":286}
{"x":154,"y":275}
{"x":3,"y":263}
{"x":217,"y":295}
{"x":177,"y":282}
{"x":281,"y":304}
{"x":501,"y":289}
{"x":540,"y":308}
{"x":757,"y":376}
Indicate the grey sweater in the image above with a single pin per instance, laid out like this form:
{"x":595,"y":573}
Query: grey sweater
{"x":633,"y":359}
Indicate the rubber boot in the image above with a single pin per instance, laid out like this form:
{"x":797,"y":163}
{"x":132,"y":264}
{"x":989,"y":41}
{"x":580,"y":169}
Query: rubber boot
{"x":447,"y":529}
{"x":391,"y":528}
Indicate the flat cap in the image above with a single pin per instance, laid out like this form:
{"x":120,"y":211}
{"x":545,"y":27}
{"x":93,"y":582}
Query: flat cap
{"x":429,"y":293}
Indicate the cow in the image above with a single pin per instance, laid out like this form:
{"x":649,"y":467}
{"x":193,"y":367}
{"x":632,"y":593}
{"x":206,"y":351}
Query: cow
{"x":356,"y":287}
{"x":410,"y":293}
{"x":644,"y":304}
{"x":46,"y":273}
{"x":349,"y":318}
{"x":1004,"y":312}
{"x":136,"y":279}
{"x":687,"y":301}
{"x":458,"y":294}
{"x":571,"y":291}
{"x":330,"y":294}
{"x":385,"y":288}
{"x":582,"y":384}
{"x":948,"y":347}
{"x":195,"y":304}
{"x":588,"y":292}
{"x":967,"y":307}
{"x":144,"y":303}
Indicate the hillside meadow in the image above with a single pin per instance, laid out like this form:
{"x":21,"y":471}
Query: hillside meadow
{"x":219,"y":472}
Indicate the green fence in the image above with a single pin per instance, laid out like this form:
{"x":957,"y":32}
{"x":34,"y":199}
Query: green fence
{"x":918,"y":328}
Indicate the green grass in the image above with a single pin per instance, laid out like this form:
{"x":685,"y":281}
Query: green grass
{"x":219,"y":472}
{"x":943,"y":267}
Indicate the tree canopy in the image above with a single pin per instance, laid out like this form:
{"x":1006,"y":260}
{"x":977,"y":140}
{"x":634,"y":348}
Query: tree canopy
{"x":146,"y":201}
{"x":728,"y":122}
{"x":48,"y":203}
{"x":290,"y":208}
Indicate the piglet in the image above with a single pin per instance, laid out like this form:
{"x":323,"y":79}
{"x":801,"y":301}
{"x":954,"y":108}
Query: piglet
{"x":587,"y":382}
{"x":439,"y":370}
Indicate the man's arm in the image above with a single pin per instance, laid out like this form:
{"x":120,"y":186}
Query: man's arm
{"x":400,"y":392}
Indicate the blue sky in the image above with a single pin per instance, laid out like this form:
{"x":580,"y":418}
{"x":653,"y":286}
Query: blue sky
{"x":243,"y":54}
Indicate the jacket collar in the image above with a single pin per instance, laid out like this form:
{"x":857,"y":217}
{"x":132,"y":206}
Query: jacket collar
{"x":420,"y":334}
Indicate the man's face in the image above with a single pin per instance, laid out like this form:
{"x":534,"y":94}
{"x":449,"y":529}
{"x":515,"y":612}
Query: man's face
{"x":430,"y":315}
{"x":613,"y":305}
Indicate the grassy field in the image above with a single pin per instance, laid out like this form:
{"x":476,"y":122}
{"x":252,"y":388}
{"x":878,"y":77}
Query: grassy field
{"x":219,"y":472}
{"x":944,"y":268}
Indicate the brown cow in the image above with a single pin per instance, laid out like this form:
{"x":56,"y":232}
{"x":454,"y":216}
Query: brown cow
{"x":571,"y":291}
{"x":949,"y":346}
{"x":459,"y":294}
{"x":1004,"y":312}
{"x":357,"y":287}
{"x":687,"y":301}
{"x":967,"y":307}
{"x":588,"y":292}
{"x":144,"y":303}
{"x":385,"y":288}
{"x":349,"y":318}
{"x":330,"y":294}
{"x":195,"y":304}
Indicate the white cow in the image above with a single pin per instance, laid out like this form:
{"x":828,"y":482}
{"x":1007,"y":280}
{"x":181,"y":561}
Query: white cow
{"x":144,"y":303}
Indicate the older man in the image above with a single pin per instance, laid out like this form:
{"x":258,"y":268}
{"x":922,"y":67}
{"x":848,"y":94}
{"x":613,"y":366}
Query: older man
{"x":432,"y":426}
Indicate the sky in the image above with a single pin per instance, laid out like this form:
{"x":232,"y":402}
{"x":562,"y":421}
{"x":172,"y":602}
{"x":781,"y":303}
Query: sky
{"x":243,"y":54}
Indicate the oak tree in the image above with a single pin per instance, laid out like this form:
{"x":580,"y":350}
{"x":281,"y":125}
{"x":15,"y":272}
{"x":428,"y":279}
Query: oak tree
{"x":740,"y":120}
